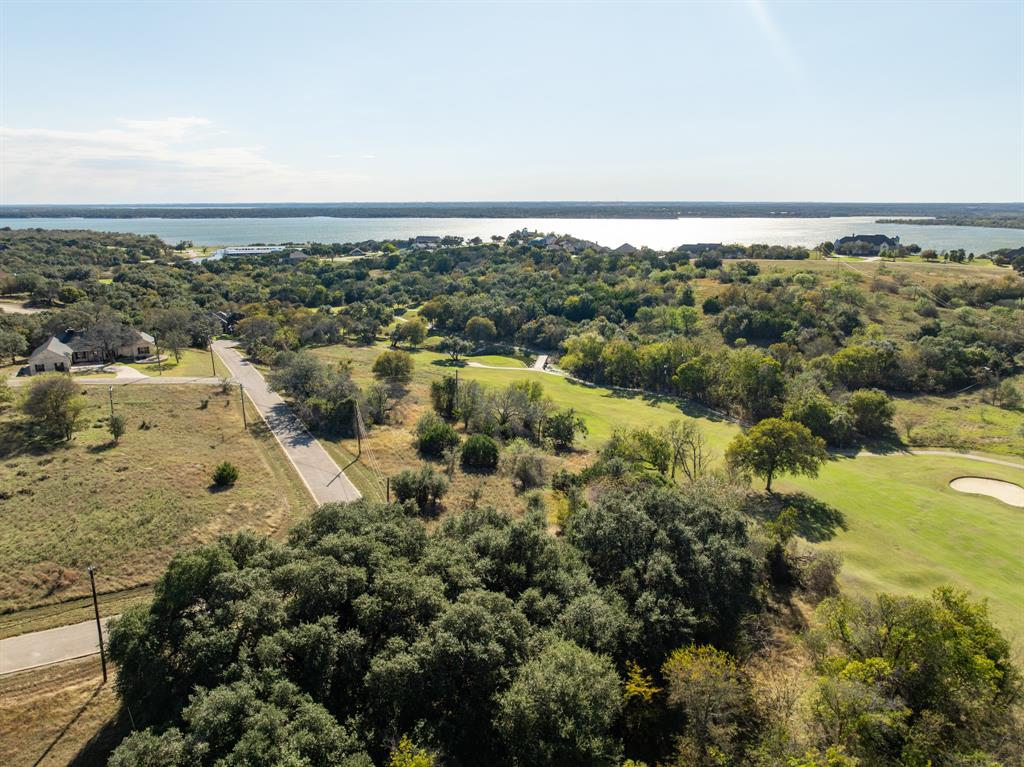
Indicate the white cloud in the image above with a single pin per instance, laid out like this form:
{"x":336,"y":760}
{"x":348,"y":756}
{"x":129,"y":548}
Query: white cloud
{"x":177,"y":159}
{"x":776,"y":39}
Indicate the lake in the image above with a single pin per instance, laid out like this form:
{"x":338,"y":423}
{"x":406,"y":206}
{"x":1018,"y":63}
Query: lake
{"x":660,"y":234}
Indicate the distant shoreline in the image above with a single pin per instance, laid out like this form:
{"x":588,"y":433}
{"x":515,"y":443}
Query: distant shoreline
{"x":965,"y":214}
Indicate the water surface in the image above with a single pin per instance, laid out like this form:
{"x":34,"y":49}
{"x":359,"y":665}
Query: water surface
{"x":654,"y":233}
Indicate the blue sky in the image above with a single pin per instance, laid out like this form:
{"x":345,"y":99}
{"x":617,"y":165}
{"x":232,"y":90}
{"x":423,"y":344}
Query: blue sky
{"x":236,"y":102}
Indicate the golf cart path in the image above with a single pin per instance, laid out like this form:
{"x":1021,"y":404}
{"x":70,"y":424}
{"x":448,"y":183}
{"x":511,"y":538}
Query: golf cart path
{"x":323,"y":478}
{"x":953,"y":454}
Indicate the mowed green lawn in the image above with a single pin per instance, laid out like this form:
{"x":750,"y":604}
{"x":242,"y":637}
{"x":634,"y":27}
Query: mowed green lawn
{"x":603,"y":409}
{"x":909,"y":532}
{"x":194,"y":363}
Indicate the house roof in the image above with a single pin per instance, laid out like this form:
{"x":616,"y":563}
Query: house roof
{"x":625,"y":248}
{"x":873,"y":239}
{"x":428,"y":238}
{"x":76,"y":341}
{"x":54,"y":345}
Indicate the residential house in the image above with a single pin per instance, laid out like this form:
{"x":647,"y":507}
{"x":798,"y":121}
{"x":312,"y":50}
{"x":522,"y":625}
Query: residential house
{"x":72,"y":347}
{"x":625,"y":249}
{"x":426,"y":241}
{"x":865,"y":244}
{"x":297,"y":257}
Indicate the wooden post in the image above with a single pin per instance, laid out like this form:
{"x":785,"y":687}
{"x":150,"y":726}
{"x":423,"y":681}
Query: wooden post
{"x":99,"y":627}
{"x":110,"y":393}
{"x":213,"y":361}
{"x":245,"y":420}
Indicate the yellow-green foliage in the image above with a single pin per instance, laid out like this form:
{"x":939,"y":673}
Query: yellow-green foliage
{"x":408,"y":754}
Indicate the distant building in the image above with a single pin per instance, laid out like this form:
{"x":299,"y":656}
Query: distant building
{"x":72,"y":347}
{"x":296,"y":257}
{"x":357,"y":252}
{"x":865,"y":244}
{"x":426,"y":241}
{"x":625,"y":249}
{"x":226,"y":320}
{"x":251,"y":250}
{"x":699,"y":247}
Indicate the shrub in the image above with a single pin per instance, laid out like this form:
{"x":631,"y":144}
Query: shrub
{"x":434,"y":436}
{"x":563,"y":426}
{"x":393,"y":366}
{"x":225,"y":475}
{"x":480,"y":453}
{"x":525,"y":465}
{"x":423,"y":487}
{"x":117,"y":425}
{"x":55,"y":406}
{"x":872,"y":411}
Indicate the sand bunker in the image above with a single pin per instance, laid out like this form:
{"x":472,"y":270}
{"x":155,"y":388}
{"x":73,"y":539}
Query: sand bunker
{"x":1007,"y":492}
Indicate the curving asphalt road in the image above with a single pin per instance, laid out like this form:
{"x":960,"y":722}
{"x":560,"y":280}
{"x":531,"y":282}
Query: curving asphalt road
{"x":324,"y":479}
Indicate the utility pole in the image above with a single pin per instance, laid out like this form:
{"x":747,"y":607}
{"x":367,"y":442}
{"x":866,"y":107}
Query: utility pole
{"x":245,"y":420}
{"x":110,"y":394}
{"x":389,"y":490}
{"x":213,"y":361}
{"x":159,"y":364}
{"x":99,"y":627}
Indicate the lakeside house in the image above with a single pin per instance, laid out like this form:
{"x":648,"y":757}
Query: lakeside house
{"x":865,"y":244}
{"x":426,"y":241}
{"x":73,"y":347}
{"x":251,"y":250}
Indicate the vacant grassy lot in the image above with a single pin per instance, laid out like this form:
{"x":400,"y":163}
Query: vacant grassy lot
{"x":50,"y":716}
{"x":127,"y":508}
{"x":966,"y":421}
{"x":909,"y":532}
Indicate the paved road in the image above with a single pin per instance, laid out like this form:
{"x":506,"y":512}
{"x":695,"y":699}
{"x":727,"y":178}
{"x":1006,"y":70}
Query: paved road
{"x":323,"y":477}
{"x":141,"y":381}
{"x":42,"y":648}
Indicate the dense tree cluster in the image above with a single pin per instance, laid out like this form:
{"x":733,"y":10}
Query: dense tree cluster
{"x":488,"y":642}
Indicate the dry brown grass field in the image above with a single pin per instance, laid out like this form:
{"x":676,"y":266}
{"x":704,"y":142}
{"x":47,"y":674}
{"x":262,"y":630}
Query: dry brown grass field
{"x":127,"y":508}
{"x":58,"y":715}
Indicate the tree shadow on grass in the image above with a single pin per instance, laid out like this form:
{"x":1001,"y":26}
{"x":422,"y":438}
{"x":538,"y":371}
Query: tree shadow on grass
{"x":97,"y":750}
{"x":816,"y":520}
{"x":689,"y":408}
{"x":64,"y":730}
{"x":18,"y":438}
{"x":449,"y":363}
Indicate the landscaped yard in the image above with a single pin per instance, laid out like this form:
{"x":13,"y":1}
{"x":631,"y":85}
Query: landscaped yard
{"x":194,"y":363}
{"x":128,"y":508}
